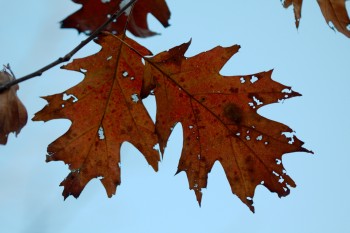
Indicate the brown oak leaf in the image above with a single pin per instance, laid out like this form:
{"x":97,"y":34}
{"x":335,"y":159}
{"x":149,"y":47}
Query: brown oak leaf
{"x":334,"y":11}
{"x":13,"y":114}
{"x":94,"y":13}
{"x":105,"y":112}
{"x":220,"y":120}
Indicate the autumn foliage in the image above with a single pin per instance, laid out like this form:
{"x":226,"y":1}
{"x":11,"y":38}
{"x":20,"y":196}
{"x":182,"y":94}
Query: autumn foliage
{"x":13,"y":114}
{"x":334,"y":12}
{"x":220,"y":121}
{"x":218,"y":113}
{"x":86,"y":20}
{"x":103,"y":115}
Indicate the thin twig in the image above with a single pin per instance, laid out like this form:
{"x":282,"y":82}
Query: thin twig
{"x":69,"y":55}
{"x":7,"y":67}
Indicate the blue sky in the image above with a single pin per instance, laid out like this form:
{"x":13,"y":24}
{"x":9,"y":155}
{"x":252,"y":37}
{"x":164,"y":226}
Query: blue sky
{"x":313,"y":60}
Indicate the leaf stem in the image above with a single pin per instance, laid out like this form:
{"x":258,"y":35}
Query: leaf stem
{"x":69,"y":55}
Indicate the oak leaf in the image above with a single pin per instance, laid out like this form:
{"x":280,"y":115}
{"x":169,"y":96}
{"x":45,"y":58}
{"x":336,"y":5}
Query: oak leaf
{"x":334,"y":11}
{"x":105,"y":112}
{"x":95,"y":13}
{"x":220,"y":120}
{"x":13,"y":114}
{"x":218,"y":114}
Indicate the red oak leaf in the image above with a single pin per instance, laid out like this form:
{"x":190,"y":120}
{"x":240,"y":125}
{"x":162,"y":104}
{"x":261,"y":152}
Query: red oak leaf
{"x":94,"y":13}
{"x":220,"y":120}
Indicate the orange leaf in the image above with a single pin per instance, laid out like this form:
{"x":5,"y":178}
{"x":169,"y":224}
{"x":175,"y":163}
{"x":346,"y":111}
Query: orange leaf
{"x":13,"y":114}
{"x":94,"y":13}
{"x":334,"y":11}
{"x":105,"y":112}
{"x":220,"y":120}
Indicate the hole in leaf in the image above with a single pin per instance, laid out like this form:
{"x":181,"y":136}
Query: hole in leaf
{"x":257,"y":101}
{"x":135,"y":98}
{"x":281,"y":179}
{"x":278,"y":161}
{"x":83,"y":70}
{"x":101,"y":133}
{"x":287,"y":90}
{"x":70,"y":96}
{"x":156,"y":147}
{"x":290,"y":136}
{"x":125,"y":74}
{"x":76,"y":170}
{"x":251,"y":104}
{"x":253,"y":79}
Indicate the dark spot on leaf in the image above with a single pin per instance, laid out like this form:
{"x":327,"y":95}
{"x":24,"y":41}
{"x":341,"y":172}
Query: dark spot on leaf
{"x":233,"y":113}
{"x":233,"y":90}
{"x":251,"y":170}
{"x":248,"y":159}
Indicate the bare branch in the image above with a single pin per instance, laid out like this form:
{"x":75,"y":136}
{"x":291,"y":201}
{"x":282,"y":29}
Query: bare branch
{"x":69,"y":55}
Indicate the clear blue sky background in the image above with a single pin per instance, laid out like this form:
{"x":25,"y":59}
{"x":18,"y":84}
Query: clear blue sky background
{"x":314,"y":60}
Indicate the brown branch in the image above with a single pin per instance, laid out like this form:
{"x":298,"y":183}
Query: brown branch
{"x":69,"y":55}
